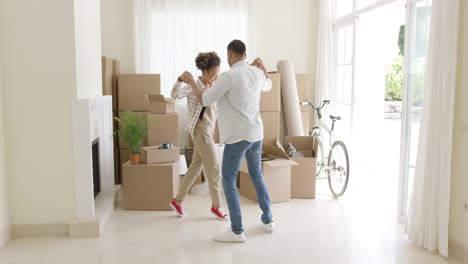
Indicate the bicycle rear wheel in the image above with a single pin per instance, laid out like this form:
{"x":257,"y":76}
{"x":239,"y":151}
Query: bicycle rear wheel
{"x":338,"y":169}
{"x":320,"y":157}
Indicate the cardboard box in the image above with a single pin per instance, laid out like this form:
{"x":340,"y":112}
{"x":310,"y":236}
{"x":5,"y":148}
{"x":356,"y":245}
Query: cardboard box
{"x":115,"y":75}
{"x":149,"y":186}
{"x":276,"y":174}
{"x":133,"y":88}
{"x":107,"y":72}
{"x":163,"y":128}
{"x":124,"y":155}
{"x":142,"y":115}
{"x":155,"y":155}
{"x":161,"y":105}
{"x":304,"y":84}
{"x":303,"y":178}
{"x":271,"y":127}
{"x":271,"y":101}
{"x":305,"y":115}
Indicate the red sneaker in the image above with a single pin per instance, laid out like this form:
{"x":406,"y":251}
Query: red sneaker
{"x":219,"y":214}
{"x":177,"y":208}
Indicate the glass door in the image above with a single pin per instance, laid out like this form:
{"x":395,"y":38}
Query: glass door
{"x":416,"y":40}
{"x":342,"y":103}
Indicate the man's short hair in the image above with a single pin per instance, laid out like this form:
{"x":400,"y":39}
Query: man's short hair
{"x":237,"y":46}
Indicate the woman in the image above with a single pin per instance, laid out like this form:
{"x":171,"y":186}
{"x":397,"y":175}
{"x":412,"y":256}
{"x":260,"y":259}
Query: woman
{"x":200,"y":124}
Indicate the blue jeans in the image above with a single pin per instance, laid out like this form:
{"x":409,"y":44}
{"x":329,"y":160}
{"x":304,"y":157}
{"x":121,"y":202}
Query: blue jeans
{"x":232,"y":158}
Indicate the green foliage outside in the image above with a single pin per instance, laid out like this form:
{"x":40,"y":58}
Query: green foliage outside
{"x":394,"y":80}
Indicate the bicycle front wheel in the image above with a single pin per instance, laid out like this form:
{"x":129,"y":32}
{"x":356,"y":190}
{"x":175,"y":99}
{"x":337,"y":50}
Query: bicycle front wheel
{"x":338,"y":169}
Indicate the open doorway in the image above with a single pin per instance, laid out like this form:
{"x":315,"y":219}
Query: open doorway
{"x":369,"y":80}
{"x":376,"y":129}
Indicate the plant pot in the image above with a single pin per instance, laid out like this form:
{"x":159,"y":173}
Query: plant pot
{"x":135,"y":158}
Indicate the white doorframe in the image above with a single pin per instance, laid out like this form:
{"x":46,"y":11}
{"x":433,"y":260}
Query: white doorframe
{"x":406,"y":126}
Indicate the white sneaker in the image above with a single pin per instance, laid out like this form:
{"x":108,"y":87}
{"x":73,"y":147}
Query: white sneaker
{"x":270,"y":227}
{"x":229,"y":237}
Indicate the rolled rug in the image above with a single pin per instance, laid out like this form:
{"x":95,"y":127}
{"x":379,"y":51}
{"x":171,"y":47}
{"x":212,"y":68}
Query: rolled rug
{"x":292,"y":110}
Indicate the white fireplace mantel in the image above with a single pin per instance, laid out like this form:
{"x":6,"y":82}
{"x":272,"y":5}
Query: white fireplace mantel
{"x":92,"y":119}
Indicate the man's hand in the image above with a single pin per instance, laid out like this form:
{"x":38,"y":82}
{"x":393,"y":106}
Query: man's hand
{"x":187,"y":77}
{"x":255,"y":62}
{"x":259,"y":64}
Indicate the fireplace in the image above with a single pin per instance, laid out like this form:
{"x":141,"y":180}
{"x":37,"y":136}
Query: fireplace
{"x":96,"y":171}
{"x":95,"y":189}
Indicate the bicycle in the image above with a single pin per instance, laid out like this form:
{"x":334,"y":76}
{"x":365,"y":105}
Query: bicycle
{"x":336,"y":167}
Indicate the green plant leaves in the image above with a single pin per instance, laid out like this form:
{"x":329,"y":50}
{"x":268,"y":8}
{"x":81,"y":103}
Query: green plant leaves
{"x":133,"y":129}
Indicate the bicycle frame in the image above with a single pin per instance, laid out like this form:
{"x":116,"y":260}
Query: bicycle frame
{"x":328,"y":163}
{"x":329,"y":131}
{"x":321,"y":124}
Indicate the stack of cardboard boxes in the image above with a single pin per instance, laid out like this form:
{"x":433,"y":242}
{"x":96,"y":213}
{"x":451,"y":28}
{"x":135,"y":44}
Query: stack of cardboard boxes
{"x":270,"y":111}
{"x":285,"y":177}
{"x":132,"y":90}
{"x":152,"y":184}
{"x":276,"y":169}
{"x":303,"y":179}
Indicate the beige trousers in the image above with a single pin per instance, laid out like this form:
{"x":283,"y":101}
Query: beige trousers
{"x":204,"y":153}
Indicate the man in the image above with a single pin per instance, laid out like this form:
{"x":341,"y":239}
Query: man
{"x":237,"y":92}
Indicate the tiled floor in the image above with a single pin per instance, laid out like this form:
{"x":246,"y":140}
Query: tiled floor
{"x":309,"y":231}
{"x":361,"y":227}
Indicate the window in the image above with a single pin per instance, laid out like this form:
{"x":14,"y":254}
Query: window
{"x":173,"y":32}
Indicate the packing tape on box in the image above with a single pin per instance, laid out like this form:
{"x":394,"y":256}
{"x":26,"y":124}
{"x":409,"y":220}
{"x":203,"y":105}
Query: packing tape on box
{"x":292,"y":110}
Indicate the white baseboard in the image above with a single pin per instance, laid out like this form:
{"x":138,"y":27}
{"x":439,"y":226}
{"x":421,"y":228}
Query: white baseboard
{"x":458,"y":251}
{"x":104,"y":205}
{"x":5,"y":236}
{"x":40,"y":230}
{"x":104,"y":208}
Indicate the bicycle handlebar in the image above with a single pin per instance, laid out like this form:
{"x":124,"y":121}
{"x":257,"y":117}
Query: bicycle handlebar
{"x":324,"y":102}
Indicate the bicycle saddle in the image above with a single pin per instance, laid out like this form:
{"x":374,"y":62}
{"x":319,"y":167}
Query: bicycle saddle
{"x":335,"y":118}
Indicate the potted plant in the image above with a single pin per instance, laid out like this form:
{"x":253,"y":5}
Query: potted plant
{"x":132,"y":130}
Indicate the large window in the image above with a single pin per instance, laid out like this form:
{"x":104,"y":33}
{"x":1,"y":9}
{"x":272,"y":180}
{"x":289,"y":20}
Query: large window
{"x":172,"y":33}
{"x":344,"y":90}
{"x":418,"y":12}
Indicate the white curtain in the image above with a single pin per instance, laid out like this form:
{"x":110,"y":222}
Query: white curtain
{"x":170,"y":33}
{"x":325,"y":74}
{"x":430,"y":204}
{"x":325,"y":54}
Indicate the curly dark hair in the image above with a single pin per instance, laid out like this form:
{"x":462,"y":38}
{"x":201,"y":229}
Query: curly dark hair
{"x":207,"y":60}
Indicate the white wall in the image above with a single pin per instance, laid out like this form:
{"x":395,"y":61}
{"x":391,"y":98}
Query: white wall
{"x":278,"y":22}
{"x":4,"y":205}
{"x":39,"y":84}
{"x":288,"y":30}
{"x":458,"y":231}
{"x":88,"y":48}
{"x":117,"y":32}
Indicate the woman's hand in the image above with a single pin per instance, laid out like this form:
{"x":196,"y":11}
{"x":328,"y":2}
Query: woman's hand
{"x":186,"y":77}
